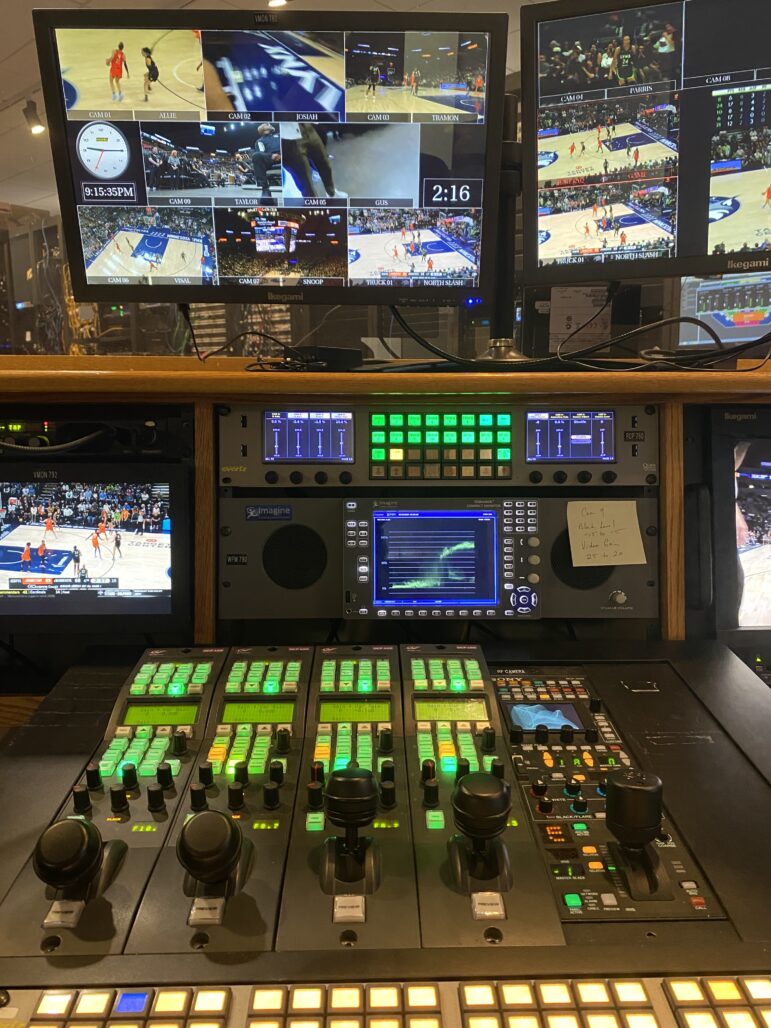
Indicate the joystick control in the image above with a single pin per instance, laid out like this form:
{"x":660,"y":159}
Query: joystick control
{"x":350,"y":862}
{"x":479,"y":861}
{"x":633,"y":813}
{"x":216,"y":858}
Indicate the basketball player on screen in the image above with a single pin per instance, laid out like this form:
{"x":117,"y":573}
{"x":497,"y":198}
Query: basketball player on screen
{"x":116,"y":63}
{"x":151,"y":72}
{"x":767,"y":195}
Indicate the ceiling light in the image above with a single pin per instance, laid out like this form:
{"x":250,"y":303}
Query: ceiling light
{"x":34,"y":123}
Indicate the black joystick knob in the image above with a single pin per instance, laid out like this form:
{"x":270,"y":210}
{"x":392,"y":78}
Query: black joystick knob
{"x":179,"y":744}
{"x":164,"y":776}
{"x":481,"y":804}
{"x":387,"y":795}
{"x":516,"y":735}
{"x":206,"y":774}
{"x":497,"y":767}
{"x":579,"y":805}
{"x":592,"y":734}
{"x":595,"y":704}
{"x":271,"y":797}
{"x":431,"y":793}
{"x":209,"y":846}
{"x":276,"y":772}
{"x":428,"y":770}
{"x":129,"y":776}
{"x":572,"y":787}
{"x":387,"y":771}
{"x":241,"y":772}
{"x":156,"y":801}
{"x":235,"y":796}
{"x":488,"y":739}
{"x":545,"y":805}
{"x":541,"y":734}
{"x":463,"y":768}
{"x":567,"y":734}
{"x":633,"y":806}
{"x":118,"y":800}
{"x":317,"y":771}
{"x":351,"y":798}
{"x":539,"y":787}
{"x":93,"y":777}
{"x":283,"y":740}
{"x":385,"y":741}
{"x":68,"y":853}
{"x":81,"y":800}
{"x":315,"y":795}
{"x":198,"y":797}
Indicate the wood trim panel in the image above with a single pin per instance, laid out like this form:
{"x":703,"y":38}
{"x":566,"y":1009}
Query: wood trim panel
{"x":205,"y":525}
{"x":672,"y":521}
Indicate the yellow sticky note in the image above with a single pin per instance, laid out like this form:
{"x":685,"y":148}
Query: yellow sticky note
{"x":604,"y":533}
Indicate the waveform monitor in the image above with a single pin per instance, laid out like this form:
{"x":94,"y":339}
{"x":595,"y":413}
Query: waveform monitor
{"x":647,"y":139}
{"x":586,"y":437}
{"x":737,"y":307}
{"x":308,"y":437}
{"x":293,"y":157}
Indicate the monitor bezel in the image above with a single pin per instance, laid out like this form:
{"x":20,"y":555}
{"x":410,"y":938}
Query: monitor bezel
{"x":553,"y":274}
{"x":179,"y":477}
{"x":47,"y":21}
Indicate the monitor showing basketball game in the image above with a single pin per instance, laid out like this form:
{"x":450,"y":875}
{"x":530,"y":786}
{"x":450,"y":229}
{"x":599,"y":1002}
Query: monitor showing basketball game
{"x":752,"y":461}
{"x":647,"y":139}
{"x":200,"y":156}
{"x":85,"y":545}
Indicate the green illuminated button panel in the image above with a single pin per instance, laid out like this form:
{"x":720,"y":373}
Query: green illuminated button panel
{"x":444,"y":742}
{"x":440,"y":674}
{"x":263,"y":677}
{"x":338,"y":744}
{"x":144,"y":750}
{"x":172,"y":678}
{"x":355,"y":675}
{"x":253,"y":745}
{"x":461,"y":444}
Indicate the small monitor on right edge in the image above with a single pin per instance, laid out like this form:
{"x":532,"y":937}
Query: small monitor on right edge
{"x":647,"y":139}
{"x":737,"y":307}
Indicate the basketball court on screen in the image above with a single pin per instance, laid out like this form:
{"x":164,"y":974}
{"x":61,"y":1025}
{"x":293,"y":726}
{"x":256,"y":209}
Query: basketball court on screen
{"x":373,"y":254}
{"x":556,"y":161}
{"x":400,"y":100}
{"x":144,"y":254}
{"x":738,"y":218}
{"x":563,"y":234}
{"x":756,"y":597}
{"x":143,"y":562}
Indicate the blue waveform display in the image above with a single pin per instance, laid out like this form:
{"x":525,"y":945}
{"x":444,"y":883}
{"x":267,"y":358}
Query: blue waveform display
{"x":554,"y":715}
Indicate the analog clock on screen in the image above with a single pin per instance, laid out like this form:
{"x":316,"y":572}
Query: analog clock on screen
{"x":103,"y":150}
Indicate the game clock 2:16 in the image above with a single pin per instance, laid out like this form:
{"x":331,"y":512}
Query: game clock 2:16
{"x":452,"y":192}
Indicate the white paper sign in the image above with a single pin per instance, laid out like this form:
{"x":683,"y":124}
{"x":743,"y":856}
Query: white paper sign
{"x":604,"y":533}
{"x":571,"y":306}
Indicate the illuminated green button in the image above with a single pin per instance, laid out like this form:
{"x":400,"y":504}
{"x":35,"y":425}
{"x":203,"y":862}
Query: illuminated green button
{"x":414,"y":419}
{"x":485,"y":437}
{"x":432,"y":420}
{"x":395,"y":420}
{"x":572,"y":900}
{"x":314,"y":821}
{"x":432,"y":437}
{"x":396,"y":437}
{"x":468,"y":419}
{"x":378,"y":437}
{"x":434,"y":819}
{"x":450,"y":438}
{"x":485,"y":419}
{"x":176,"y":689}
{"x":414,"y":437}
{"x":378,"y":454}
{"x":504,"y":453}
{"x":503,"y":419}
{"x":377,"y":419}
{"x":580,"y":826}
{"x":503,"y":437}
{"x":468,"y":437}
{"x":450,"y":419}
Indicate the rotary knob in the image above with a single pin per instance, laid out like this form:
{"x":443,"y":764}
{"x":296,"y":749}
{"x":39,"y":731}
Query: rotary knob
{"x":541,"y":734}
{"x":164,"y":775}
{"x":431,"y":793}
{"x":283,"y":740}
{"x":271,"y":797}
{"x":428,"y":770}
{"x":198,"y":798}
{"x":315,"y":795}
{"x":387,"y":771}
{"x":81,"y":800}
{"x":567,"y":734}
{"x":463,"y":768}
{"x":618,"y":597}
{"x":156,"y":801}
{"x":129,"y":776}
{"x":206,"y":774}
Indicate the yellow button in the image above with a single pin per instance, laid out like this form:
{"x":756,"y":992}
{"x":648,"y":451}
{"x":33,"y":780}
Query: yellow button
{"x":640,"y":1019}
{"x":268,"y":1001}
{"x":384,"y":997}
{"x":517,"y":994}
{"x":765,"y":1016}
{"x":699,"y":1019}
{"x":262,"y":1023}
{"x":422,"y":996}
{"x":385,"y":1022}
{"x":311,"y":998}
{"x":345,"y":997}
{"x":739,"y":1019}
{"x":93,"y":1003}
{"x":562,"y":1021}
{"x":628,"y":992}
{"x":588,"y":849}
{"x":724,"y":990}
{"x":164,"y":1024}
{"x":686,"y":990}
{"x":759,"y":989}
{"x":211,"y":1001}
{"x":54,"y":1004}
{"x":522,"y":1021}
{"x":172,"y":1001}
{"x":483,"y":1021}
{"x":98,"y":1024}
{"x":592,"y":994}
{"x":298,"y":1022}
{"x":555,"y":994}
{"x":343,"y":1022}
{"x":601,"y":1020}
{"x":595,"y":865}
{"x":129,"y":1024}
{"x":204,"y":1024}
{"x":396,"y":454}
{"x":424,"y":1022}
{"x":479,"y":996}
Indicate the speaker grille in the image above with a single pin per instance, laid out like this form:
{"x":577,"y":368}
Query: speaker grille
{"x":575,"y":578}
{"x":294,"y":557}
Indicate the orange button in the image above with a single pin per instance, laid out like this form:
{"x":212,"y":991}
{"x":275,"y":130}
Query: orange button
{"x":596,"y":865}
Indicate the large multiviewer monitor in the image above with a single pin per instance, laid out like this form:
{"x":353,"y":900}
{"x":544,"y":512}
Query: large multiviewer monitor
{"x":737,"y":307}
{"x":107,"y":544}
{"x":647,"y":133}
{"x":257,"y":156}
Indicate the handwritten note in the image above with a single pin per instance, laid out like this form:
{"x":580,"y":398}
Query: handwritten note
{"x":604,"y":533}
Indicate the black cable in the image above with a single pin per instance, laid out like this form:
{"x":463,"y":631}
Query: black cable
{"x":391,"y":352}
{"x":613,"y":288}
{"x":184,"y":310}
{"x":59,"y":448}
